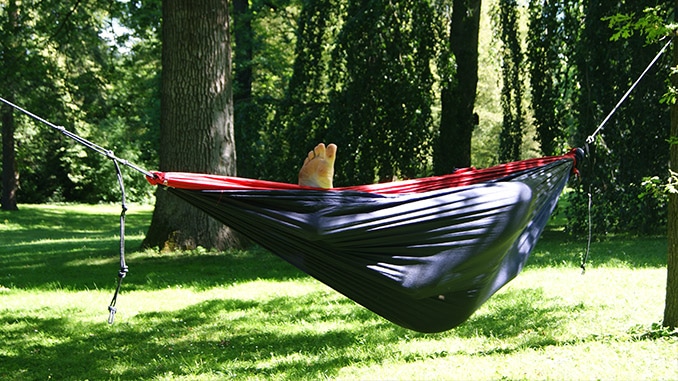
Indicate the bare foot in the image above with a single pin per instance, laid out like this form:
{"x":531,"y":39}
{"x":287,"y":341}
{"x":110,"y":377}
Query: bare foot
{"x":318,"y":168}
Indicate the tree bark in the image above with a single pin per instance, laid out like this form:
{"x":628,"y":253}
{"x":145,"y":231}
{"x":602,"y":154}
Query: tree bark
{"x":671,"y":306}
{"x":458,"y":97}
{"x":196,"y":119}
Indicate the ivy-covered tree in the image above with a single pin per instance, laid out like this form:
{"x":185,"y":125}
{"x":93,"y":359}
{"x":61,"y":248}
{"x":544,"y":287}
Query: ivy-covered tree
{"x":511,"y":137}
{"x":554,"y":28}
{"x":381,"y":103}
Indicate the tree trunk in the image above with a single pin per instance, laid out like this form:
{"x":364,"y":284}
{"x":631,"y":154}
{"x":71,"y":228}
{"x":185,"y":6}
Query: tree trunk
{"x":458,"y":97}
{"x":671,"y":306}
{"x":10,"y":176}
{"x":196,"y":119}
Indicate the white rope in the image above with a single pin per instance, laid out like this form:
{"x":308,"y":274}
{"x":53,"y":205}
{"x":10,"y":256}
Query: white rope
{"x":94,"y":147}
{"x":592,"y":137}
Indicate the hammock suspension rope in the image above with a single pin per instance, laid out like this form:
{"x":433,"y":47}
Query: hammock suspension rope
{"x":79,"y":139}
{"x":116,"y":162}
{"x":591,"y":139}
{"x":123,"y":265}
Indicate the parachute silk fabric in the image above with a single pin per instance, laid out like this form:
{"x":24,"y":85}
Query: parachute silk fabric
{"x":423,"y":253}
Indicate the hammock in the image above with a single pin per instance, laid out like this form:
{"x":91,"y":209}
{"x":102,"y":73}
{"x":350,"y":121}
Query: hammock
{"x":424,"y":253}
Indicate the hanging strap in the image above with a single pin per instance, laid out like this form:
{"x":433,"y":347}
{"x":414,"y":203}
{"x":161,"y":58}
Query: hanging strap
{"x":123,"y":266}
{"x":585,"y":257}
{"x":591,"y":139}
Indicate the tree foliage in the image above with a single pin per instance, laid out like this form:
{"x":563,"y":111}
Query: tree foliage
{"x":263,"y":53}
{"x":511,"y":137}
{"x":301,"y":115}
{"x":381,"y":113}
{"x":654,"y":26}
{"x":361,"y":79}
{"x":554,"y":30}
{"x":73,"y":75}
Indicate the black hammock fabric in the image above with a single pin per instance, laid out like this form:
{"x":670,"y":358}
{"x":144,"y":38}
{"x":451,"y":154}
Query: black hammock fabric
{"x":424,"y":253}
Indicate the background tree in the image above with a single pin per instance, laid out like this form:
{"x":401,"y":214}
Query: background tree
{"x":263,"y":56}
{"x":10,"y":175}
{"x":511,"y":137}
{"x":554,"y":28}
{"x":655,"y":25}
{"x":309,"y":74}
{"x":196,"y":117}
{"x":458,"y":89}
{"x":55,"y":61}
{"x":381,"y":111}
{"x":301,"y":117}
{"x":671,"y":306}
{"x":361,"y":78}
{"x":134,"y":116}
{"x":245,"y":115}
{"x":10,"y":57}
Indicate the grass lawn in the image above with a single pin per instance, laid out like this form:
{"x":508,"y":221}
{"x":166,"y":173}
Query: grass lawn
{"x":248,"y":315}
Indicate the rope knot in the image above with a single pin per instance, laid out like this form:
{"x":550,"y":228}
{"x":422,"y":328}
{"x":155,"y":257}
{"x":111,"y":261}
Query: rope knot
{"x":590,"y":139}
{"x":111,"y":314}
{"x":123,"y":272}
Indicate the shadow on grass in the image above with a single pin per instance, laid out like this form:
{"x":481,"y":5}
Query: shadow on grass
{"x":523,"y":318}
{"x":41,"y":244}
{"x":279,"y":337}
{"x":43,"y":222}
{"x":64,"y":247}
{"x":274,"y":337}
{"x":85,"y":268}
{"x":296,"y":338}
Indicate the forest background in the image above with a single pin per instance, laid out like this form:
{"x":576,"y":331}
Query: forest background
{"x":304,"y":72}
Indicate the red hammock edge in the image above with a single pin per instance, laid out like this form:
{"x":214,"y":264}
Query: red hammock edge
{"x":460,"y":177}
